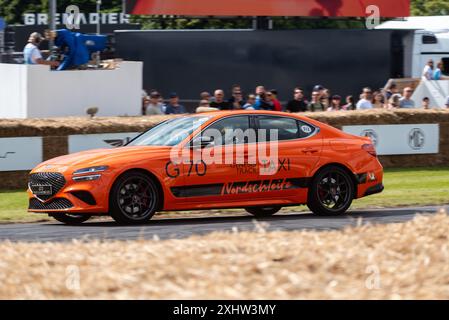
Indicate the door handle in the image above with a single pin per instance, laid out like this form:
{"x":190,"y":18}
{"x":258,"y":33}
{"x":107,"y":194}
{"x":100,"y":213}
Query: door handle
{"x":310,"y":150}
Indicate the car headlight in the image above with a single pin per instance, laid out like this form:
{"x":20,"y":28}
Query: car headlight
{"x":89,"y":174}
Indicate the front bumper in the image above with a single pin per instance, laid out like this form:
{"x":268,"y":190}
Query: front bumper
{"x":90,"y":197}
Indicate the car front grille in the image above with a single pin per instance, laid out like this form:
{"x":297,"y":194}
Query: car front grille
{"x":54,"y":179}
{"x":55,"y":204}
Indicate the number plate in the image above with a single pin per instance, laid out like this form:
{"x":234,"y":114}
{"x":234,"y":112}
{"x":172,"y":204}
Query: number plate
{"x":44,"y":190}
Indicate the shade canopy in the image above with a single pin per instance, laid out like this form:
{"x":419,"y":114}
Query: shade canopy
{"x":305,"y":8}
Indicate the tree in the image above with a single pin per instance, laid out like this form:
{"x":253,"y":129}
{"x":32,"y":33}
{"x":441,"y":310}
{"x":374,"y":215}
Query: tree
{"x":429,"y":7}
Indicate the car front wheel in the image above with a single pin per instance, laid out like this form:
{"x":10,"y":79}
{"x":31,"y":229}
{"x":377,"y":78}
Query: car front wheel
{"x":134,"y":198}
{"x":331,"y":192}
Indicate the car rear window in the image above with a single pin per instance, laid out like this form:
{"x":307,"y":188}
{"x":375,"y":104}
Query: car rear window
{"x":286,"y":128}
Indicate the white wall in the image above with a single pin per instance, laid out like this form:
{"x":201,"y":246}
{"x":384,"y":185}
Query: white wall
{"x":37,"y":92}
{"x":437,"y":91}
{"x":13,"y":88}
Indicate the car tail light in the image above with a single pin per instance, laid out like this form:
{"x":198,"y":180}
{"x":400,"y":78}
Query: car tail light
{"x":370,"y":149}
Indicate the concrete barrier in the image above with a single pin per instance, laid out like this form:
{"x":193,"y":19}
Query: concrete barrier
{"x":33,"y":91}
{"x":55,"y":134}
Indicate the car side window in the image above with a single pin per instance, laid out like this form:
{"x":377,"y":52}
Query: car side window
{"x":287,"y":128}
{"x":232,"y":130}
{"x":305,"y":129}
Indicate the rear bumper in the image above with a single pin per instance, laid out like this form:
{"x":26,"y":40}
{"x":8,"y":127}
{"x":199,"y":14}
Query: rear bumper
{"x":378,"y":188}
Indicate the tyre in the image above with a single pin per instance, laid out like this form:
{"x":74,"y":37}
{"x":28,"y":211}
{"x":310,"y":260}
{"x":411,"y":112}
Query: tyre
{"x":263,"y":211}
{"x":331,"y":192}
{"x":134,"y":198}
{"x":71,"y":219}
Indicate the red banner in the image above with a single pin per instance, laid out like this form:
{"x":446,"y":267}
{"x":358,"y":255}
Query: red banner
{"x":305,"y":8}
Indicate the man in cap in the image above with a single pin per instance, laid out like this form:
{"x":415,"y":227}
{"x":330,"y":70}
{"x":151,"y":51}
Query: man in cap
{"x":32,"y":54}
{"x":173,"y":106}
{"x":153,"y":104}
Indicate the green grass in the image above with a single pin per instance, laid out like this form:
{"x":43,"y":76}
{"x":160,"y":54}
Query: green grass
{"x":403,"y":187}
{"x":414,"y":186}
{"x":13,"y":205}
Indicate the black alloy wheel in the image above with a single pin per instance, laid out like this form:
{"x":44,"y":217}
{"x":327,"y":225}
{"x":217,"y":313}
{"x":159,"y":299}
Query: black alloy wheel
{"x":134,"y":198}
{"x":331,"y":192}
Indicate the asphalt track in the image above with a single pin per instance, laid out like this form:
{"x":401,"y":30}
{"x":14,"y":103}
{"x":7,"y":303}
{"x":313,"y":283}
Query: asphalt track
{"x":167,"y":228}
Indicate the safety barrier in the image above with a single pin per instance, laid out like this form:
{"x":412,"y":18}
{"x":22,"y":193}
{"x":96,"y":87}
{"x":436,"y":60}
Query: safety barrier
{"x":404,"y":138}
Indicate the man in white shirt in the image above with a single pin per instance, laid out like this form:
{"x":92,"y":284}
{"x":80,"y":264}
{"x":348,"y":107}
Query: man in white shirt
{"x":32,"y":54}
{"x":153,"y":104}
{"x":427,"y":73}
{"x":365,"y":102}
{"x":406,"y":100}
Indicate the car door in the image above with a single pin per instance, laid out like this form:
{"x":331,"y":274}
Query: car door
{"x":218,"y":171}
{"x":298,"y":146}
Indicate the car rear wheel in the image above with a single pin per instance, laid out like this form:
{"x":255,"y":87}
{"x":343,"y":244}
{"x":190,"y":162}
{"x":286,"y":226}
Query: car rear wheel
{"x":71,"y":219}
{"x":263,"y":211}
{"x":331,"y":192}
{"x":134,"y":198}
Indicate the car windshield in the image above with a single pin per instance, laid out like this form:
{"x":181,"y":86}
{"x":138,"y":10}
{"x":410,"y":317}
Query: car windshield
{"x":169,"y":133}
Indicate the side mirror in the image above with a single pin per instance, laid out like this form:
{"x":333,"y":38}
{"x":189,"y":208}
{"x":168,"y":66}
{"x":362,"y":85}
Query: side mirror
{"x":202,"y":142}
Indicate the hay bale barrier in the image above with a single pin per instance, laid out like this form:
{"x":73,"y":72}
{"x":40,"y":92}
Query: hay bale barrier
{"x":55,"y":133}
{"x":393,"y":261}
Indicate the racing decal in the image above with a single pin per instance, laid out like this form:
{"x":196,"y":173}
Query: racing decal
{"x":200,"y":168}
{"x":195,"y":168}
{"x":265,"y":167}
{"x":284,"y":164}
{"x":172,"y":170}
{"x":306,"y":129}
{"x":259,"y":186}
{"x":246,"y":168}
{"x":230,"y":188}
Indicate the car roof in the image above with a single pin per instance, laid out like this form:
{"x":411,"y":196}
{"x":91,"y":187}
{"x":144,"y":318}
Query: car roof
{"x":219,"y":114}
{"x":215,"y":115}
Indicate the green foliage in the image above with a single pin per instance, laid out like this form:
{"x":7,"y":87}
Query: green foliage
{"x":430,"y":7}
{"x":172,"y":22}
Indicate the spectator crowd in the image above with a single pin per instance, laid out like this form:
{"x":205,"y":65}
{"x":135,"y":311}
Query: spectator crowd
{"x":320,"y":99}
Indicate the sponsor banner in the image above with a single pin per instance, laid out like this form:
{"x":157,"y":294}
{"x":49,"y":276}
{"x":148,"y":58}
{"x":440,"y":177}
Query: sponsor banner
{"x":84,"y":142}
{"x":33,"y":19}
{"x":305,"y":8}
{"x":400,"y":139}
{"x":20,"y":154}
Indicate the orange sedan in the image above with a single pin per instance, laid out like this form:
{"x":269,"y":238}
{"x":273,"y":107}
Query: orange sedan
{"x":257,"y":160}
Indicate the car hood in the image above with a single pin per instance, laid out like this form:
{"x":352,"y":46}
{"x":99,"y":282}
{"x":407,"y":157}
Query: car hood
{"x":100,"y":157}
